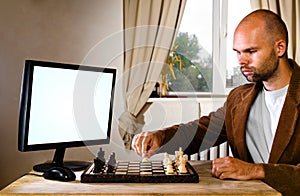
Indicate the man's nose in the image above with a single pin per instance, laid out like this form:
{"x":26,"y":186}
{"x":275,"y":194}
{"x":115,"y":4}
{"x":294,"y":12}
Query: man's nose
{"x":243,"y":59}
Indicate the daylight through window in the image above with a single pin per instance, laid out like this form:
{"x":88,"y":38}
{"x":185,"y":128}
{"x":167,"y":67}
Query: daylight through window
{"x":194,"y":47}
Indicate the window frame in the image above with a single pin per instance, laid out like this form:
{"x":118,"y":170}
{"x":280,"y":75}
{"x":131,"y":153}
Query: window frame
{"x":219,"y":48}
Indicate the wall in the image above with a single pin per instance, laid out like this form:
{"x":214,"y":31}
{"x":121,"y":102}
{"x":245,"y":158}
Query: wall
{"x":55,"y":30}
{"x":70,"y":31}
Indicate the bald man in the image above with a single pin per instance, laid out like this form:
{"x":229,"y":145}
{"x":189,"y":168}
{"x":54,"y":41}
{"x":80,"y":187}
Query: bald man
{"x":260,"y":120}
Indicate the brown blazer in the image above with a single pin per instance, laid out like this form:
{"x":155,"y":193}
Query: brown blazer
{"x":229,"y":124}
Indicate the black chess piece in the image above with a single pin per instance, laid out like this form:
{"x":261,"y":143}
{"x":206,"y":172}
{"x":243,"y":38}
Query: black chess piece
{"x":112,"y":159}
{"x":100,"y":155}
{"x":111,"y":163}
{"x":99,"y":161}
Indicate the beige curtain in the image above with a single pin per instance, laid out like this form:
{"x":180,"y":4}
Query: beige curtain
{"x":289,"y":10}
{"x":150,"y":28}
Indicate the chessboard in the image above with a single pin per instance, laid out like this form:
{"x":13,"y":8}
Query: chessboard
{"x":139,"y":172}
{"x":166,"y":171}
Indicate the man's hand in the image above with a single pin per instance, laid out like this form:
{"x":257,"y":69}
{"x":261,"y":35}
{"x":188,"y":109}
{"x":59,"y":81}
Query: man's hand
{"x":146,"y":144}
{"x":232,"y":168}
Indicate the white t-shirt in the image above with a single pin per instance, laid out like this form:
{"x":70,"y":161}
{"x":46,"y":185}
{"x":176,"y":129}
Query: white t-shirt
{"x":262,"y":123}
{"x":274,"y":101}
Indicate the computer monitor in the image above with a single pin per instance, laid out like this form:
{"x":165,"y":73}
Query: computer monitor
{"x":63,"y":106}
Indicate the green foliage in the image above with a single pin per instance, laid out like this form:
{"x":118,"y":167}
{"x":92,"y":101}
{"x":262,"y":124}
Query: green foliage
{"x":196,"y":72}
{"x":187,"y":46}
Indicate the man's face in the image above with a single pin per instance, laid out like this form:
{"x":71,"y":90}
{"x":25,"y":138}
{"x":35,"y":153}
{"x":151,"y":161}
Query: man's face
{"x":255,"y":53}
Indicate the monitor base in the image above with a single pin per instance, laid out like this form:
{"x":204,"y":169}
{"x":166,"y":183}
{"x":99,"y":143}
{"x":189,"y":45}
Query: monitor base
{"x":73,"y":165}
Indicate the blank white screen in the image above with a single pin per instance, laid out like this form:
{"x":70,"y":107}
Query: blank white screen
{"x":69,"y":105}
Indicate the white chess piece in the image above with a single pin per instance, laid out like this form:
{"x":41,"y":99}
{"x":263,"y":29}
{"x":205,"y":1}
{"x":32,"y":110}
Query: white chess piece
{"x":166,"y":159}
{"x":182,"y":166}
{"x":178,"y":154}
{"x":170,"y":169}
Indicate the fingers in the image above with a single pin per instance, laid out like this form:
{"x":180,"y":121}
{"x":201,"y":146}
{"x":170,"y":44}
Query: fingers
{"x":220,"y":169}
{"x":143,"y":144}
{"x":146,"y":142}
{"x":229,"y":167}
{"x":225,"y":168}
{"x":136,"y":144}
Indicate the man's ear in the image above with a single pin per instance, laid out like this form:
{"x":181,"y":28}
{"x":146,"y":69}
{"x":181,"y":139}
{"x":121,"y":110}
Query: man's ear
{"x":280,"y":47}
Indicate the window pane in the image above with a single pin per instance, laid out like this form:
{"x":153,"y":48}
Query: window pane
{"x":234,"y":76}
{"x":193,"y":47}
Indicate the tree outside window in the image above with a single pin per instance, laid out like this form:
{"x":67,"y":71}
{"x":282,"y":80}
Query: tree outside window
{"x":205,"y":24}
{"x":195,"y":74}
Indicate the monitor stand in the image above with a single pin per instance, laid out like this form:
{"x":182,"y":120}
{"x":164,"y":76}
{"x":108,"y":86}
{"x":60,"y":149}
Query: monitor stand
{"x":58,"y":162}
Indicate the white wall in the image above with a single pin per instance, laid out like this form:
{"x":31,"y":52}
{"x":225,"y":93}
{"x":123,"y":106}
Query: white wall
{"x":54,"y":30}
{"x":70,"y":31}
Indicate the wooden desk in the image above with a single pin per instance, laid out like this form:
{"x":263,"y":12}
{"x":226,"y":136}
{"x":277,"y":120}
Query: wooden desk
{"x":34,"y":185}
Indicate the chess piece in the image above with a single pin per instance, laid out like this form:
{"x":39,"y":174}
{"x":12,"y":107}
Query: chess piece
{"x":169,"y":168}
{"x":166,"y":159}
{"x":112,"y":159}
{"x":178,"y":154}
{"x":182,"y":165}
{"x":99,"y":161}
{"x":100,"y":155}
{"x":111,"y":163}
{"x":180,"y":151}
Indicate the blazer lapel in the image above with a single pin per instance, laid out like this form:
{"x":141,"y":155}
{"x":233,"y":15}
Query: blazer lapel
{"x":288,"y":118}
{"x":240,"y":114}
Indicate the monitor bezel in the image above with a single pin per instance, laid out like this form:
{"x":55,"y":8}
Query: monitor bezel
{"x":25,"y":103}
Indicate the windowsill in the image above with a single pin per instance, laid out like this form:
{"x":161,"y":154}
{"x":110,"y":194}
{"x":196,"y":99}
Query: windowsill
{"x":196,"y":98}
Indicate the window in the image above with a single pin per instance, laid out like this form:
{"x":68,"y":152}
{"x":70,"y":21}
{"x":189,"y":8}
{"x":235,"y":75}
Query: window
{"x":203,"y":47}
{"x":233,"y":74}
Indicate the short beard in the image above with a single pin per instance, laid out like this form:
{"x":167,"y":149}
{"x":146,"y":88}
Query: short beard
{"x":267,"y":75}
{"x":272,"y":64}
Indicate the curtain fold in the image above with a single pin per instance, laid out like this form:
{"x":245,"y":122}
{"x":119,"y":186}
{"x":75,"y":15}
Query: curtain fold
{"x":289,"y":10}
{"x":150,"y":28}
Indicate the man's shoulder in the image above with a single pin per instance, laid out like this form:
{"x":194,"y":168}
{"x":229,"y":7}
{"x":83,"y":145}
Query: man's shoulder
{"x":244,"y":90}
